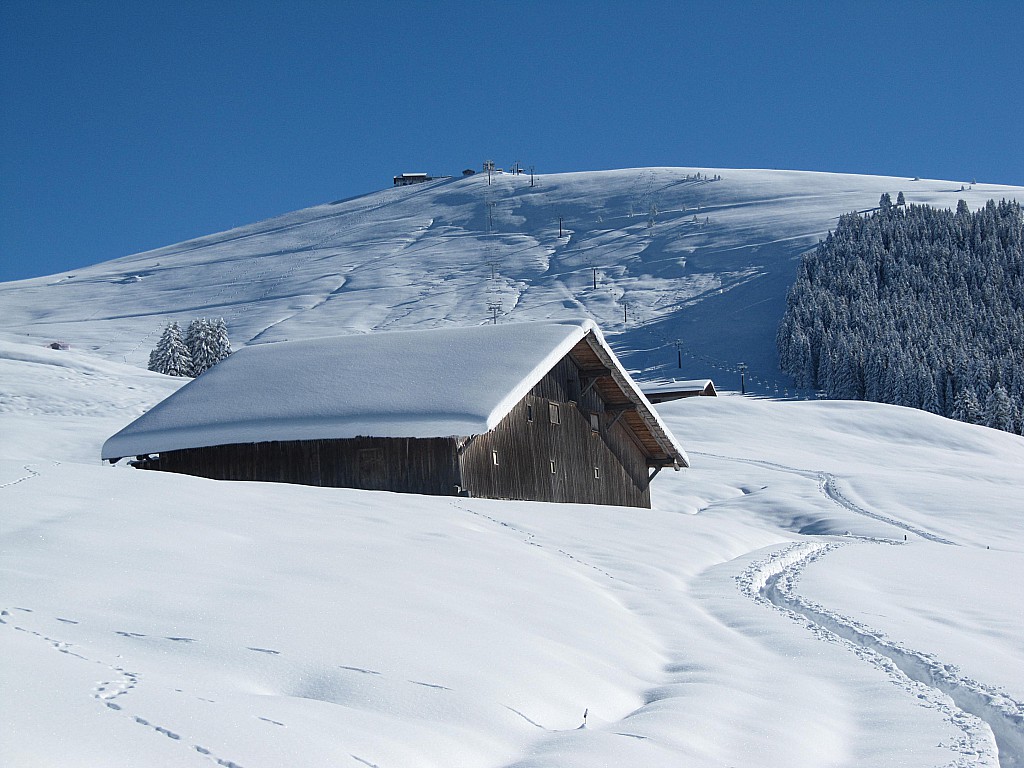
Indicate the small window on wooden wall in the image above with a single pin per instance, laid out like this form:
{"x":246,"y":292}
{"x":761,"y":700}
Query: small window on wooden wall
{"x":553,"y":416}
{"x":595,"y":423}
{"x":597,"y":473}
{"x":552,"y":466}
{"x":529,"y":412}
{"x":494,"y":457}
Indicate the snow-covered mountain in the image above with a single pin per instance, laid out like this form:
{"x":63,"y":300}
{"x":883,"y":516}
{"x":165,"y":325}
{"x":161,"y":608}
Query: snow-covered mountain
{"x":829,"y":584}
{"x":655,"y":255}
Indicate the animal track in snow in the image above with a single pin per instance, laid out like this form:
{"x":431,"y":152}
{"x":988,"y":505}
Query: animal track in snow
{"x":112,"y":693}
{"x":31,"y":474}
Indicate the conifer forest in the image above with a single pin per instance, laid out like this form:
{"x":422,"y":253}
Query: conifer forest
{"x":915,"y":306}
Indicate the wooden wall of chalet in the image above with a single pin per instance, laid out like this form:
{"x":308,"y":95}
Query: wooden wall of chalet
{"x":530,"y":456}
{"x":406,"y":464}
{"x":540,"y":457}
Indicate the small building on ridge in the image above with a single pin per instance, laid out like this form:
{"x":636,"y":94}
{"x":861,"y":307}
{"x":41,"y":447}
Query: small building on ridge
{"x":406,"y":179}
{"x":663,"y":391}
{"x":536,"y":411}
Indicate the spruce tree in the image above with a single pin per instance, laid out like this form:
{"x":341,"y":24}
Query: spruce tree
{"x":199,"y":340}
{"x":221,"y":343}
{"x":966,"y":406}
{"x":999,"y":410}
{"x":171,"y":357}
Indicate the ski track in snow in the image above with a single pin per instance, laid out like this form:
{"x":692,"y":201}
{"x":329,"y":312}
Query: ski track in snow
{"x":118,"y":683}
{"x":982,"y":712}
{"x":992,"y":722}
{"x":828,"y":485}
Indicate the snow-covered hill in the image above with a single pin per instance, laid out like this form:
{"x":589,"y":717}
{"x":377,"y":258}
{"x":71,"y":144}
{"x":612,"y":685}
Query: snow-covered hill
{"x":705,"y":261}
{"x":829,"y":584}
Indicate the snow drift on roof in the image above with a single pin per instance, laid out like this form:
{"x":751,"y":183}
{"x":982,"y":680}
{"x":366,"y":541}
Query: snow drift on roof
{"x":435,"y":383}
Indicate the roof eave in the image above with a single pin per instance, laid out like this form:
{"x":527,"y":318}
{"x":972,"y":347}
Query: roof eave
{"x":673,"y":451}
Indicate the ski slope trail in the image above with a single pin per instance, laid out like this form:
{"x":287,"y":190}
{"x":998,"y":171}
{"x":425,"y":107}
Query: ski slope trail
{"x":659,"y":257}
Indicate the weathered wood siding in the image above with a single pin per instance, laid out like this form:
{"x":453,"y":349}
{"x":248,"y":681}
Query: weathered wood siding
{"x":562,"y":462}
{"x":406,"y":464}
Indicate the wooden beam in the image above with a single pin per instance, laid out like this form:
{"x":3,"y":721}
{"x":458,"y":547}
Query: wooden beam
{"x":615,"y":420}
{"x":620,"y":408}
{"x":589,"y":386}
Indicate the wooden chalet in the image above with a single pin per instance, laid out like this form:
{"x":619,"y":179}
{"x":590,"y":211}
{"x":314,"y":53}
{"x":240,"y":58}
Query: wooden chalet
{"x":534,"y":411}
{"x":664,"y":391}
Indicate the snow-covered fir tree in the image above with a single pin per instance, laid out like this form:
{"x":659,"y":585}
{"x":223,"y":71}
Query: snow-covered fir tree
{"x":171,"y":356}
{"x":221,"y":342}
{"x":999,"y":409}
{"x":207,"y":342}
{"x":966,"y":406}
{"x":915,"y":306}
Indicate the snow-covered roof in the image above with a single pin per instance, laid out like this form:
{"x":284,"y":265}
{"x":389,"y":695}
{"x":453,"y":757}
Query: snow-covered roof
{"x":425,"y":383}
{"x":676,"y":385}
{"x":663,"y":391}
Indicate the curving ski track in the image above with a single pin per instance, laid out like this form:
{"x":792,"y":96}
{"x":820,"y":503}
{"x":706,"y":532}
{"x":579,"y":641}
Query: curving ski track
{"x":992,"y":722}
{"x":828,"y":485}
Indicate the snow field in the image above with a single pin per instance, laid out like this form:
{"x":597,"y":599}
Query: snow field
{"x":169,"y":620}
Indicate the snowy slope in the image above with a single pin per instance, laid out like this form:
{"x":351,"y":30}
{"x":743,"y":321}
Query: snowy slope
{"x":829,"y":584}
{"x":761,"y":614}
{"x":707,"y":262}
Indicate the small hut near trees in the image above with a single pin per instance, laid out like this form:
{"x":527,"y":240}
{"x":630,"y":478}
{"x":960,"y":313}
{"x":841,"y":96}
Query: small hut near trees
{"x":536,"y":411}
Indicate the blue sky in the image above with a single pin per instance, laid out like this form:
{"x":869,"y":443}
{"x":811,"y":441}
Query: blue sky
{"x":127,"y":126}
